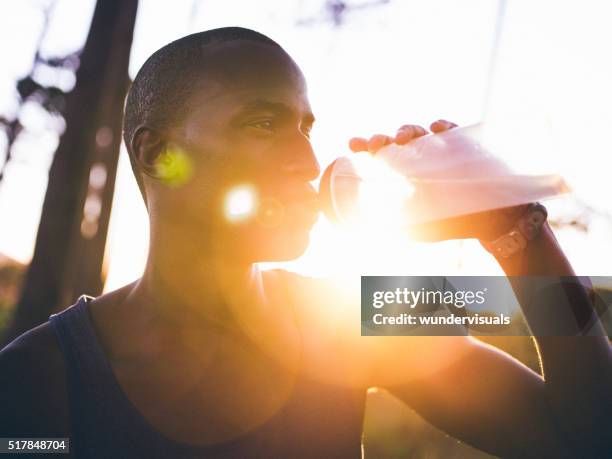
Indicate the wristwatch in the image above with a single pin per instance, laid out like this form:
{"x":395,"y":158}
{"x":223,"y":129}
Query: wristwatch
{"x":526,"y":229}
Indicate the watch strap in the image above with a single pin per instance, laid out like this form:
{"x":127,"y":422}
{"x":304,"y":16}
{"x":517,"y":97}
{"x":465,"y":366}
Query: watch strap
{"x":526,"y":229}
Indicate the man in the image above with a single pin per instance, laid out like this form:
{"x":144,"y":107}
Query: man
{"x":206,"y":356}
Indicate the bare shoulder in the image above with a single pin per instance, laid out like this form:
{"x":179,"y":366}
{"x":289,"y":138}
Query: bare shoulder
{"x":33,"y":392}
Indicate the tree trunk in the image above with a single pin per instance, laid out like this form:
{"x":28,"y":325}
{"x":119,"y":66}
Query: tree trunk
{"x":71,"y":237}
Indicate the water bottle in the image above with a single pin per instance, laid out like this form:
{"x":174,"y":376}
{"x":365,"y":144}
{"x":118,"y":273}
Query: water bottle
{"x":432,"y":178}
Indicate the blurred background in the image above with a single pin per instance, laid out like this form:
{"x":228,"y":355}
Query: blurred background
{"x":71,"y":212}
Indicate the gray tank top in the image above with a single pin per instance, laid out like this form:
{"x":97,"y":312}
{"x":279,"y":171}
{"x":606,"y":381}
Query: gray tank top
{"x":318,"y":421}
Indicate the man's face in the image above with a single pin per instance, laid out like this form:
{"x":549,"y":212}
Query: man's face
{"x":247,"y":137}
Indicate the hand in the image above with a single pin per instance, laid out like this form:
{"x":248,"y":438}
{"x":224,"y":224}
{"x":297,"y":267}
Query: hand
{"x":404,"y":134}
{"x":485,"y":226}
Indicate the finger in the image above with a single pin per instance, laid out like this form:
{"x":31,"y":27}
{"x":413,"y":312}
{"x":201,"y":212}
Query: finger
{"x":378,"y":141}
{"x":409,"y":132}
{"x":441,"y":126}
{"x":358,"y":144}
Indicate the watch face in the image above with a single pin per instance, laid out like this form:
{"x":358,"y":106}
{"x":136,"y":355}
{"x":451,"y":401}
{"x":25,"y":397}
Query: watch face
{"x":507,"y":245}
{"x":531,"y":224}
{"x":512,"y":243}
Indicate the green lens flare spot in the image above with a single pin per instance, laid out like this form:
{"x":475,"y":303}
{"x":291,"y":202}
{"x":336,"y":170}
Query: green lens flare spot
{"x":174,"y":167}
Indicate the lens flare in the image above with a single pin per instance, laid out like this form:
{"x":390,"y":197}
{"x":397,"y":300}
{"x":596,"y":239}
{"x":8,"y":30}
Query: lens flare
{"x":240,"y":203}
{"x":174,"y":167}
{"x":383,"y":194}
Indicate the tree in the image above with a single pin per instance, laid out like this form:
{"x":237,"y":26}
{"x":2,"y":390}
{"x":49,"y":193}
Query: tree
{"x":72,"y":233}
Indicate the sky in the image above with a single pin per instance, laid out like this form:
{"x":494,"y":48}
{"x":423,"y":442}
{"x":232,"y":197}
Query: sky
{"x":539,"y":71}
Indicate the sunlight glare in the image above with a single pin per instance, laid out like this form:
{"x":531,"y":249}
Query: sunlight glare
{"x":383,"y":193}
{"x":240,"y":203}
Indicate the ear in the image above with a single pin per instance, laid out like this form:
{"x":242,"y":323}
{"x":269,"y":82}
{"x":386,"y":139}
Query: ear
{"x":147,"y":146}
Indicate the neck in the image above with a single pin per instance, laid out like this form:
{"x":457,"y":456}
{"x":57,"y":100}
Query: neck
{"x":189,"y":286}
{"x":191,"y":298}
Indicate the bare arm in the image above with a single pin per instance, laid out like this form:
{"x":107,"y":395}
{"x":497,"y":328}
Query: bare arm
{"x":489,"y":400}
{"x":577,"y":370}
{"x":495,"y":403}
{"x":492,"y":401}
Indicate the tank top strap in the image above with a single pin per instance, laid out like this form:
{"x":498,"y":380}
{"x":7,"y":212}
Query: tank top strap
{"x":88,"y":378}
{"x":86,"y":362}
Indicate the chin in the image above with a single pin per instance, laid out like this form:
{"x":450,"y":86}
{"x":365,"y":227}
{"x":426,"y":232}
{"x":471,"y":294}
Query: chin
{"x":286,"y":246}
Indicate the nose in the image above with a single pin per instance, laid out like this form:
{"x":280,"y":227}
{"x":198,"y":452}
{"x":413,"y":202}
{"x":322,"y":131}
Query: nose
{"x":302,"y":162}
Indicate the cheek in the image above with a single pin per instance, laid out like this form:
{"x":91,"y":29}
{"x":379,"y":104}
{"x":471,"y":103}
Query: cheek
{"x":192,"y":203}
{"x":257,"y":159}
{"x":217,"y":175}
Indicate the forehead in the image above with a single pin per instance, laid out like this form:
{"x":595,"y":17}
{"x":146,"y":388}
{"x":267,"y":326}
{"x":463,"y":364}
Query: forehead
{"x":241,"y":72}
{"x":239,"y":63}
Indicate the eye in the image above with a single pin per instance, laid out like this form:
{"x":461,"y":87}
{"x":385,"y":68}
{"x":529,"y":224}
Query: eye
{"x":265,"y":125}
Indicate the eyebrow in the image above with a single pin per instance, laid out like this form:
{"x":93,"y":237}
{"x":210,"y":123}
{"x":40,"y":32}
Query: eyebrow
{"x":277,"y":107}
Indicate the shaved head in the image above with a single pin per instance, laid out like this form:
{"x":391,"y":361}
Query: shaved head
{"x":214,"y":112}
{"x":161,"y":92}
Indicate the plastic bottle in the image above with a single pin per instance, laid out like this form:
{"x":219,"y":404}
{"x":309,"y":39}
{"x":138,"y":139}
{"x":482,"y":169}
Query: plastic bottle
{"x":434,"y":177}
